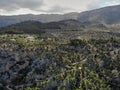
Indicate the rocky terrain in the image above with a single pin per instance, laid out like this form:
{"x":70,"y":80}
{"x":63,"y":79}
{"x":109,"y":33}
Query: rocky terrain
{"x":33,"y":62}
{"x":75,"y":51}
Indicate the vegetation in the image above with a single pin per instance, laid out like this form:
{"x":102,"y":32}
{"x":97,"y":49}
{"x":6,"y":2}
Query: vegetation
{"x":79,"y":54}
{"x":34,"y":62}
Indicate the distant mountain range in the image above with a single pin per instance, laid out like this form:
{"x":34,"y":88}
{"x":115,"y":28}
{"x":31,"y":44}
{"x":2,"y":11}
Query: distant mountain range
{"x":109,"y":15}
{"x":8,"y":20}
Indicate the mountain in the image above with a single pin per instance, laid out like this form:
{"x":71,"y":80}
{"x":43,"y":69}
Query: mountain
{"x":8,"y":20}
{"x":35,"y":27}
{"x":109,"y":15}
{"x":106,"y":15}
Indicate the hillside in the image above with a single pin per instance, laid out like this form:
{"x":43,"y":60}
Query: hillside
{"x":74,"y":51}
{"x":109,"y":15}
{"x":8,"y":20}
{"x":34,"y":27}
{"x":31,"y":62}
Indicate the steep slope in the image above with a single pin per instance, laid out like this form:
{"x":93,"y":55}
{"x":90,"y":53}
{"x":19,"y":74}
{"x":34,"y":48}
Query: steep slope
{"x":109,"y":15}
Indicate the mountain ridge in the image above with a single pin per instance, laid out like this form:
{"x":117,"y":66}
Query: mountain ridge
{"x":36,"y":27}
{"x":109,"y":15}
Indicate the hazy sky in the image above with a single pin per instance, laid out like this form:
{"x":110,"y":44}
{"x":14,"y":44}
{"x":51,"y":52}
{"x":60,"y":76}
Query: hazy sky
{"x":15,"y":7}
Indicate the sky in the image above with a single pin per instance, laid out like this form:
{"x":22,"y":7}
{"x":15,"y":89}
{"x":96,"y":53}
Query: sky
{"x":16,"y":7}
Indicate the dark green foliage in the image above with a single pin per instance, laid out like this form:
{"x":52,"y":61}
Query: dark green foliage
{"x":77,"y":42}
{"x":28,"y":27}
{"x":34,"y":27}
{"x":53,"y":64}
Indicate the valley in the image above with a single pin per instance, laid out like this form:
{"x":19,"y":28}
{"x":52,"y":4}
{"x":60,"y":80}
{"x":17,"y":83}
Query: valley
{"x":74,"y":51}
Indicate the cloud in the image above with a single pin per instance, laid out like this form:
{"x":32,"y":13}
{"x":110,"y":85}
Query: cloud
{"x":58,"y":9}
{"x":75,"y":5}
{"x":93,"y":4}
{"x":12,"y":5}
{"x":112,"y":2}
